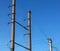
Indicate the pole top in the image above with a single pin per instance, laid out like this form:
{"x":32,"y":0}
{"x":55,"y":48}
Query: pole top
{"x":29,"y":11}
{"x":50,"y":40}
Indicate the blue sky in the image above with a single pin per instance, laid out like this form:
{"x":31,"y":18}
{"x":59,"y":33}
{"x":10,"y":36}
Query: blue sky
{"x":45,"y":23}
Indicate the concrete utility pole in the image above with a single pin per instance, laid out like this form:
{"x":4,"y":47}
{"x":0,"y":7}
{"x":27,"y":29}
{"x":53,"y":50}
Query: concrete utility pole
{"x":29,"y":30}
{"x":13,"y":25}
{"x":50,"y":42}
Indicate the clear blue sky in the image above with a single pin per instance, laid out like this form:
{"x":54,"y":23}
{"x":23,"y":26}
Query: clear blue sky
{"x":45,"y":20}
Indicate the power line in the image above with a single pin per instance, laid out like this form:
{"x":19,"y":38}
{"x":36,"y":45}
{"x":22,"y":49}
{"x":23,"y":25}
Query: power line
{"x":22,"y":46}
{"x":21,"y":25}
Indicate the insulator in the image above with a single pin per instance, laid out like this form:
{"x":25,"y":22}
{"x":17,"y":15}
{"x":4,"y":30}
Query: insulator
{"x":9,"y":6}
{"x":24,"y":19}
{"x":9,"y":14}
{"x":8,"y":22}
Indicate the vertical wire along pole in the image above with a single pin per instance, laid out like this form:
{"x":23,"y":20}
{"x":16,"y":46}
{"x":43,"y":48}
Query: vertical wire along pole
{"x":13,"y":25}
{"x":29,"y":30}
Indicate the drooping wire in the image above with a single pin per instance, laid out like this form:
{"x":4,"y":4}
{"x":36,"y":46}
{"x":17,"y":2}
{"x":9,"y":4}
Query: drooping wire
{"x":5,"y":45}
{"x":24,"y":36}
{"x":56,"y":48}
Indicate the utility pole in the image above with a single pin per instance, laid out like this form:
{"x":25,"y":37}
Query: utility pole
{"x":50,"y":42}
{"x":29,"y":30}
{"x":13,"y":25}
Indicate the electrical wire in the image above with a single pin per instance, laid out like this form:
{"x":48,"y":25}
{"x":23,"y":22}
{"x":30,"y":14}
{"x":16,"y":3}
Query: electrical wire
{"x":4,"y":45}
{"x":56,"y":48}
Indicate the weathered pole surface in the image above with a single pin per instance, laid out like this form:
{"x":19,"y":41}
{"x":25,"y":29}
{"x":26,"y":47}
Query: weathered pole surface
{"x":50,"y":42}
{"x":13,"y":25}
{"x":29,"y":30}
